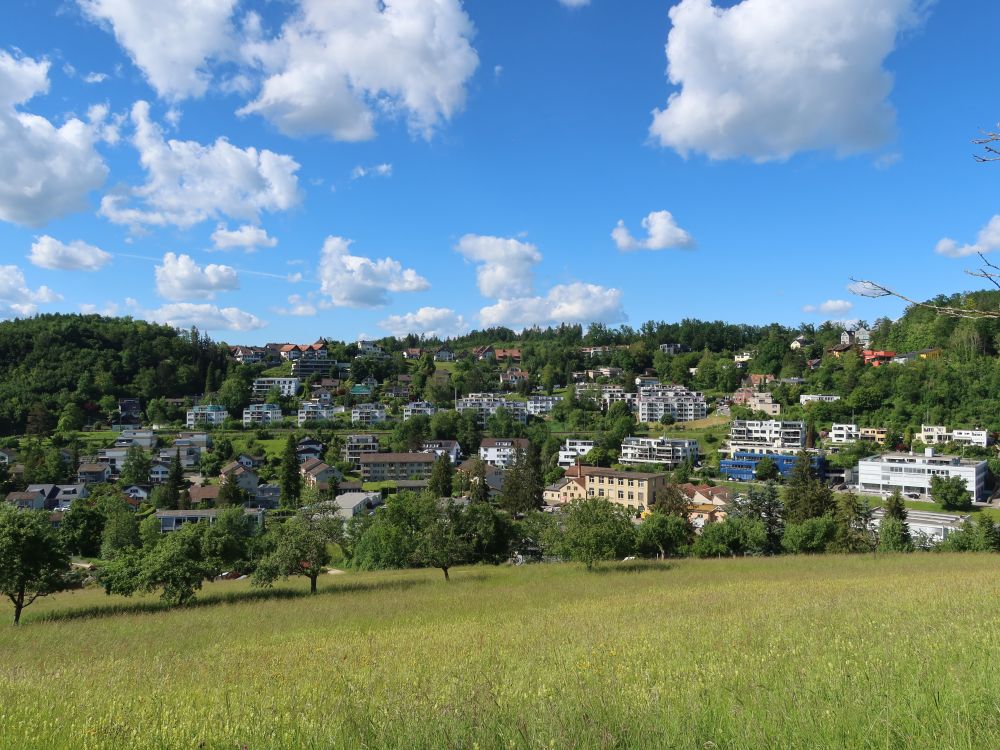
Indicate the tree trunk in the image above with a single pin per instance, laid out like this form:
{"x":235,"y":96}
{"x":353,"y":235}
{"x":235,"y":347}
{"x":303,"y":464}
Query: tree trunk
{"x":445,"y":569}
{"x":312,"y":584}
{"x":18,"y":607}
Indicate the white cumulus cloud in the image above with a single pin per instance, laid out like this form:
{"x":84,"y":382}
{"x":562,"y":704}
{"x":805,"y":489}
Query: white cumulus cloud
{"x":45,"y":171}
{"x":180,"y":278}
{"x":298,"y":305}
{"x":188,"y":182}
{"x":830,"y":307}
{"x":204,"y":316}
{"x":246,"y":237}
{"x":336,"y":65}
{"x":662,"y":233}
{"x":379,"y":170}
{"x":173,"y":42}
{"x":48,"y":252}
{"x":15,"y":296}
{"x":437,"y":322}
{"x":356,"y":281}
{"x":766,"y":79}
{"x":505,"y":267}
{"x":987,"y":241}
{"x":576,"y":302}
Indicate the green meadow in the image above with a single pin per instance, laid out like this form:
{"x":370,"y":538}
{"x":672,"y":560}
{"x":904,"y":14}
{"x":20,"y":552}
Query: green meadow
{"x":792,"y":652}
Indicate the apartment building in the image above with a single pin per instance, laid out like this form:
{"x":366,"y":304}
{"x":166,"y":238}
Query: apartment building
{"x":666,"y":452}
{"x":501,"y":451}
{"x":387,"y":467}
{"x":485,"y":405}
{"x":742,"y":466}
{"x":764,"y":402}
{"x":286,"y":387}
{"x":571,"y":450}
{"x":449,"y":448}
{"x":938,"y":435}
{"x":261,"y":414}
{"x":417,"y":408}
{"x":766,"y":436}
{"x":207,"y":414}
{"x":540,"y":405}
{"x":635,"y":490}
{"x":655,"y":403}
{"x":911,"y":473}
{"x":844,"y":433}
{"x":368,"y":414}
{"x":317,"y":411}
{"x":358,"y":445}
{"x":809,"y":398}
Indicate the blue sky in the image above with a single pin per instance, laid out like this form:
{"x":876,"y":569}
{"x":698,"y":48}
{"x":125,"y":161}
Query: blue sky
{"x":284,"y":170}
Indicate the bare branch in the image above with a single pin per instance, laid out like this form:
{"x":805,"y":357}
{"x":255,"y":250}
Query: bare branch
{"x":866,"y":288}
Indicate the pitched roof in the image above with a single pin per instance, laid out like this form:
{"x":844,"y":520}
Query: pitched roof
{"x":397,"y":458}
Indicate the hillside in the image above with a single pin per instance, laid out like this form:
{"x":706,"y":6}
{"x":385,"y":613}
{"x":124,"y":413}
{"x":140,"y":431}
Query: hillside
{"x":830,"y":652}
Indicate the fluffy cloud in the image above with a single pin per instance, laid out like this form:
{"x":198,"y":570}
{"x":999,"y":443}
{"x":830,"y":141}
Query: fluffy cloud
{"x":565,"y":303}
{"x":45,"y":171}
{"x":188,"y":182}
{"x":48,"y":252}
{"x":355,"y":281}
{"x":187,"y":34}
{"x":180,"y":278}
{"x":298,"y":305}
{"x":335,"y":65}
{"x":662,"y":232}
{"x":247,"y":237}
{"x":987,"y":241}
{"x":15,"y":296}
{"x":379,"y":170}
{"x":830,"y":307}
{"x":206,"y":317}
{"x":768,"y":78}
{"x":505,"y":264}
{"x":95,"y":78}
{"x":438,"y":322}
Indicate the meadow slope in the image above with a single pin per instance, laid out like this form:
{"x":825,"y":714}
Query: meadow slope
{"x":825,"y":652}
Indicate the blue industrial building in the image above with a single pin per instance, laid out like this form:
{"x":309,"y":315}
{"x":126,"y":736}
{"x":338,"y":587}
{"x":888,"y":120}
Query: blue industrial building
{"x":743,"y":465}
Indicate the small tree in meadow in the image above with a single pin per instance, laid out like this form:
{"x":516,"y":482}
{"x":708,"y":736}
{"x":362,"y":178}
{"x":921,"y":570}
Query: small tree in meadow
{"x":441,"y":542}
{"x":33,"y":561}
{"x":596,"y":529}
{"x":298,"y":547}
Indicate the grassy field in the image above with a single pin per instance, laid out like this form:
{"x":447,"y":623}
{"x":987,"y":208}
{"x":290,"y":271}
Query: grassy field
{"x":824,"y":652}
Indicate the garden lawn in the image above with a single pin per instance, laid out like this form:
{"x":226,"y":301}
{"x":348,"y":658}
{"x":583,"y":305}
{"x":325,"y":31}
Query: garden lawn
{"x":822,"y":652}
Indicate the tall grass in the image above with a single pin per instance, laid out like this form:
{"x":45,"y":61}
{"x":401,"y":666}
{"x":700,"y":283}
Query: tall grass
{"x":829,"y":652}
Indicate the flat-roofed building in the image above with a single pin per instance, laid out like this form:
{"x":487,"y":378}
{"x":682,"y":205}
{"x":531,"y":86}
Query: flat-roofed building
{"x":667,"y":452}
{"x":386,"y":467}
{"x":911,"y":473}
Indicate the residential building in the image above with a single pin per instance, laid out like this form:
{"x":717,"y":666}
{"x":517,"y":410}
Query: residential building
{"x":635,"y":490}
{"x":938,"y":435}
{"x":293,"y":352}
{"x":572,"y":450}
{"x":513,"y":377}
{"x":317,"y":411}
{"x":246,"y":479}
{"x":483,"y":353}
{"x":286,"y":387}
{"x":114,"y":458}
{"x":142,"y":438}
{"x":413,"y":353}
{"x":159,"y":472}
{"x":596,"y":351}
{"x":172,"y":520}
{"x":541,"y":405}
{"x":674,"y":403}
{"x":742,"y":466}
{"x":368,"y":414}
{"x":350,"y":504}
{"x":875,"y":434}
{"x":844,"y":433}
{"x":26,"y":500}
{"x":798,"y":342}
{"x":417,"y":408}
{"x":742,"y":358}
{"x":673,"y":348}
{"x":190,"y":456}
{"x":764,"y":402}
{"x":93,"y":473}
{"x":309,"y":447}
{"x":248,"y":355}
{"x":809,"y":398}
{"x":316,"y":472}
{"x":501,"y":451}
{"x":877,"y":358}
{"x":357,"y":445}
{"x":59,"y":496}
{"x":207,"y":414}
{"x":669,"y":453}
{"x":911,"y":473}
{"x":485,"y":405}
{"x":444,"y":354}
{"x":7,"y":457}
{"x":449,"y":448}
{"x":385,"y":467}
{"x":770,"y":436}
{"x":369,"y":349}
{"x":260,"y":414}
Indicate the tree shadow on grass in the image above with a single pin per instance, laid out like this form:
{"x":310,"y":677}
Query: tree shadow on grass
{"x":633,"y":566}
{"x":115,"y":609}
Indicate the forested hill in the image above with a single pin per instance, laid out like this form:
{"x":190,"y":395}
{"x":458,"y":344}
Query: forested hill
{"x":923,"y":328}
{"x":51,"y":360}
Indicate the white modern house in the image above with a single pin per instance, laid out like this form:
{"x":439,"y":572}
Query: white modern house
{"x":653,"y":403}
{"x":664,"y":451}
{"x":541,"y":405}
{"x":911,"y":473}
{"x":286,"y":387}
{"x":936,"y":527}
{"x":207,"y":414}
{"x":256,"y":414}
{"x":367,"y":414}
{"x":316,"y":410}
{"x":844,"y":433}
{"x":825,"y":398}
{"x":485,"y":405}
{"x":501,"y":451}
{"x":572,"y":450}
{"x":449,"y":448}
{"x":418,"y":408}
{"x":766,"y":436}
{"x":938,"y":435}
